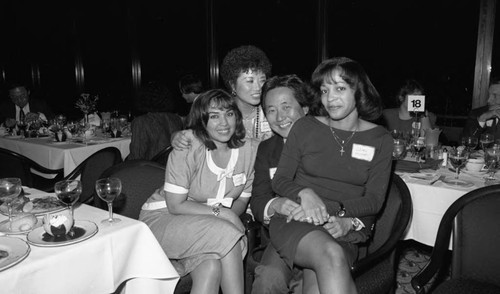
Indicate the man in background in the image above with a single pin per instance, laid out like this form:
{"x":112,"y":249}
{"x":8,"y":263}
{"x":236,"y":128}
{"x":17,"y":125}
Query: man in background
{"x":191,"y":87}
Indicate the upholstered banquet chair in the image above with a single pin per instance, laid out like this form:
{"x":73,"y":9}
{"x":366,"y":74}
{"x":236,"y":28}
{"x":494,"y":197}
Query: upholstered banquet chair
{"x":13,"y":164}
{"x":91,"y":169}
{"x":162,"y":156}
{"x":474,"y":220}
{"x":375,"y":271}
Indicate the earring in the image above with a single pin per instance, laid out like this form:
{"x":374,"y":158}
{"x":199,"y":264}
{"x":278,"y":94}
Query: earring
{"x":233,"y":93}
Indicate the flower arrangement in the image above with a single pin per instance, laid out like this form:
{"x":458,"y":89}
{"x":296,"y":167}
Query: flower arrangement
{"x":87,"y":103}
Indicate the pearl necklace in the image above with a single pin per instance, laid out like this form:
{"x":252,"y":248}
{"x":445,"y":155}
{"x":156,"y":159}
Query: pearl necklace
{"x":341,"y":142}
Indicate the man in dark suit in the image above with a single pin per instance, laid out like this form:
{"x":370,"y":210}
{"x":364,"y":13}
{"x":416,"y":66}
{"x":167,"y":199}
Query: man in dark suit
{"x":20,"y":104}
{"x":284,"y":100}
{"x":485,"y":119}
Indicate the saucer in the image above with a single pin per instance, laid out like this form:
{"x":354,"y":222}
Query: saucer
{"x":82,"y":230}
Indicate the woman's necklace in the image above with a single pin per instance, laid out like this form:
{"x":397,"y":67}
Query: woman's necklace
{"x":341,"y":141}
{"x":255,"y":125}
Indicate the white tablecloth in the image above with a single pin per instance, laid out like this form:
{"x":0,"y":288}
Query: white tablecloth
{"x":126,"y":251}
{"x":56,"y":155}
{"x":431,"y":202}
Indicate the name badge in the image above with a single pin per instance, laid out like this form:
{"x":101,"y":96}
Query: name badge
{"x":272,"y":171}
{"x":363,"y":152}
{"x":264,"y":127}
{"x":239,"y":179}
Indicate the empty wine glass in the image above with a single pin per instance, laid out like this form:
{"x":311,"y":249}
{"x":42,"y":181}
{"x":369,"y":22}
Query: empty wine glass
{"x":68,"y":192}
{"x":108,"y":189}
{"x":492,"y":161}
{"x":470,"y":142}
{"x":399,"y":149}
{"x":458,"y":158}
{"x":10,"y":188}
{"x":486,"y":140}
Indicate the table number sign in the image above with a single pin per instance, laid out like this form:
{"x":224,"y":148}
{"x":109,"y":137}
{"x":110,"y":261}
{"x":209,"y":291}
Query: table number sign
{"x":416,"y":103}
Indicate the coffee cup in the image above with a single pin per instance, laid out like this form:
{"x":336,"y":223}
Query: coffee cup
{"x":475,"y":164}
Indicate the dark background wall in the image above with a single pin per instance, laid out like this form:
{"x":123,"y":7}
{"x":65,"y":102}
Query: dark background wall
{"x":433,"y":41}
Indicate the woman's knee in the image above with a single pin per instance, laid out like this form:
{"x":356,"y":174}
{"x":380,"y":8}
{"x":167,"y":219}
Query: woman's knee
{"x":335,"y":253}
{"x":208,"y":269}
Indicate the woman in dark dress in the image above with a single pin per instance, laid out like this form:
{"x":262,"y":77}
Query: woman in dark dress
{"x":336,"y":165}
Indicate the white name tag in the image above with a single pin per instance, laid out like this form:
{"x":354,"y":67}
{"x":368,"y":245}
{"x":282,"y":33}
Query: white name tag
{"x":363,"y":152}
{"x":264,"y":127}
{"x":416,"y":103}
{"x":239,"y":179}
{"x":272,"y":171}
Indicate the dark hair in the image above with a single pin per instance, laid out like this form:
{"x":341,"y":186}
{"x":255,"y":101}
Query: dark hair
{"x":302,"y":92}
{"x":199,"y":115}
{"x":408,"y":87}
{"x":155,"y":97}
{"x":368,"y":102}
{"x":242,"y":59}
{"x":190,"y":83}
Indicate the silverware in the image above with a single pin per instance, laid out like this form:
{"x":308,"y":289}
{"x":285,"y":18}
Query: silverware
{"x":441,"y":177}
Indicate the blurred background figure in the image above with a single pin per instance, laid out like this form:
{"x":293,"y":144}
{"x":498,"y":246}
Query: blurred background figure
{"x":20,"y":104}
{"x":151,"y":131}
{"x":402,"y":120}
{"x":485,"y":119}
{"x":191,"y":87}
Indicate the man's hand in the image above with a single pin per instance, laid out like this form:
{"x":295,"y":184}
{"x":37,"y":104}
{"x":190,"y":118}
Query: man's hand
{"x":338,"y":226}
{"x":493,"y":112}
{"x":312,"y":209}
{"x":181,"y":140}
{"x":282,"y":205}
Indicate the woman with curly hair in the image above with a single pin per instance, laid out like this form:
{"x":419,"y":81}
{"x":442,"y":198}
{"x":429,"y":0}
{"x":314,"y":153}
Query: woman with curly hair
{"x":244,"y":71}
{"x":194,"y":215}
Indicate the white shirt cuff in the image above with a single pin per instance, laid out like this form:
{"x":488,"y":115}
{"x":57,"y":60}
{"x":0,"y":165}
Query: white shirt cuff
{"x":267,"y":217}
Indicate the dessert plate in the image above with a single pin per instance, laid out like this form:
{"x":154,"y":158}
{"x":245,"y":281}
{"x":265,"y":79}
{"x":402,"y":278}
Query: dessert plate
{"x":12,"y":251}
{"x":82,"y":230}
{"x":5,"y":228}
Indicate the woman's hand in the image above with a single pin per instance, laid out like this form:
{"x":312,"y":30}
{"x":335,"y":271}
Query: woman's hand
{"x":338,"y":226}
{"x":312,"y":209}
{"x":181,"y":140}
{"x":230,"y":216}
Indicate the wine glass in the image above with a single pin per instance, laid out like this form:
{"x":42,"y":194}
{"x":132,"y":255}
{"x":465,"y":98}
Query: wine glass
{"x":22,"y":125}
{"x":399,"y":149}
{"x":108,"y":189}
{"x":458,"y":158}
{"x":486,"y":140}
{"x":492,"y":160}
{"x":68,"y":192}
{"x":10,"y":188}
{"x":418,"y":147}
{"x":470,"y":142}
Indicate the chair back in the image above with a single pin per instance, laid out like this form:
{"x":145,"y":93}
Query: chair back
{"x":140,"y":178}
{"x":162,"y":156}
{"x":476,"y":238}
{"x":91,"y":169}
{"x":15,"y":165}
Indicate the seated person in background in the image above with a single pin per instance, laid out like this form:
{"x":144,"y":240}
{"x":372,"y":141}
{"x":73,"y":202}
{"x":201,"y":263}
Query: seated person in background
{"x":191,"y":87}
{"x":284,"y":100}
{"x":400,"y":118}
{"x":485,"y":119}
{"x":21,"y":104}
{"x":151,"y":131}
{"x":337,"y":164}
{"x":195,"y":215}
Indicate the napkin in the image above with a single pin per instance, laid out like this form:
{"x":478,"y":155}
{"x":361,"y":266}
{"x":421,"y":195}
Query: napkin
{"x":415,"y":167}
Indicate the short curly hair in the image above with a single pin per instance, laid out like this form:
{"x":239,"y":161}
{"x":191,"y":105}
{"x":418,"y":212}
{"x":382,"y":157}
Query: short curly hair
{"x":155,"y":97}
{"x":242,"y":59}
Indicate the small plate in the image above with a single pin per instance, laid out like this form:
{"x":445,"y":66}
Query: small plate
{"x":16,"y":249}
{"x":14,"y":137}
{"x":82,"y":230}
{"x":45,"y":205}
{"x":452,"y":182}
{"x":5,"y":228}
{"x":423,"y":176}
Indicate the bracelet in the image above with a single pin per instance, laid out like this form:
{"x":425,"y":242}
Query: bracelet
{"x":216,"y":209}
{"x":341,"y":212}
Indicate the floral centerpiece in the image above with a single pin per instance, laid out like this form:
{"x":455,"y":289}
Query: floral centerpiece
{"x":87,"y":103}
{"x":35,"y":124}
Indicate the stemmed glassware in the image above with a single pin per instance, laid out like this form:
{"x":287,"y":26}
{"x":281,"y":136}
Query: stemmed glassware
{"x":68,"y":191}
{"x":108,"y":189}
{"x":487,"y":140}
{"x":470,"y":142}
{"x":399,"y":149}
{"x":418,"y":147}
{"x":492,"y":160}
{"x":10,"y":188}
{"x":458,"y":158}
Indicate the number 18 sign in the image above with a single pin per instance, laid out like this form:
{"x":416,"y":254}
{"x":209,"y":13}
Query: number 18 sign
{"x":416,"y":103}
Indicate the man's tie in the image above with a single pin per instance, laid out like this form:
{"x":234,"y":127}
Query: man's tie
{"x":22,"y":115}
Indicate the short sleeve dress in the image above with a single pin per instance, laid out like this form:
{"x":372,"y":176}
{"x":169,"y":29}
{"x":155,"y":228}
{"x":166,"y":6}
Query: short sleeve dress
{"x":188,"y":240}
{"x":357,"y":177}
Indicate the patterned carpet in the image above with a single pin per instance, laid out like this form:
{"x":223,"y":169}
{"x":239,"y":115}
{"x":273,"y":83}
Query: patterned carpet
{"x":414,"y":257}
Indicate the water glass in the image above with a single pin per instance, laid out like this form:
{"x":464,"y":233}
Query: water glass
{"x":10,"y":188}
{"x":108,"y":189}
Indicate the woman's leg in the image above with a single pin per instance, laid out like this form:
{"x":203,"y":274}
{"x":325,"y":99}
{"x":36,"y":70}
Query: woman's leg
{"x":232,"y":271}
{"x":310,"y":283}
{"x":320,"y":252}
{"x":206,"y":277}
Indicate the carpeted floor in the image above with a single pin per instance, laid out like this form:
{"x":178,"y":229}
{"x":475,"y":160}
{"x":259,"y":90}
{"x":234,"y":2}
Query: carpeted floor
{"x":414,"y":257}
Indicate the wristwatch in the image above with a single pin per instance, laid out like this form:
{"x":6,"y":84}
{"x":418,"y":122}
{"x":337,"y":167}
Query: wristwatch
{"x":356,"y":224}
{"x":341,"y":212}
{"x":216,"y":209}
